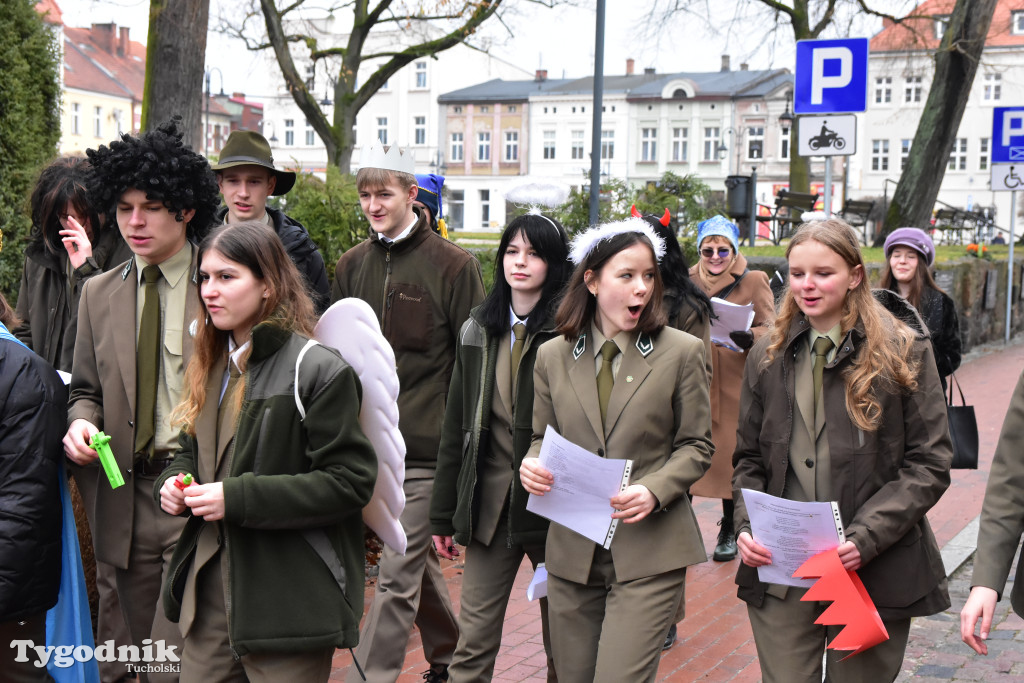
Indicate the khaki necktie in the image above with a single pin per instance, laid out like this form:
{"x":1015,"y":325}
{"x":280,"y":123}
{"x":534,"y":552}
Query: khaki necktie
{"x":822,"y":345}
{"x":605,"y":377}
{"x":519,"y":331}
{"x":147,"y":364}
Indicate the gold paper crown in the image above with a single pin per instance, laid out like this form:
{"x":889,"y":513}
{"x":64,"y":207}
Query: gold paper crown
{"x":394,"y":159}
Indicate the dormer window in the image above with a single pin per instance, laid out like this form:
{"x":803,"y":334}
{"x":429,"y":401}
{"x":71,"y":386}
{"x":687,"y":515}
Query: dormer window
{"x":941,"y":24}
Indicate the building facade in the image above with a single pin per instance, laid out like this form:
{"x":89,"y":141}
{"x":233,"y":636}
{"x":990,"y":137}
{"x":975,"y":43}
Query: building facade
{"x":900,"y":73}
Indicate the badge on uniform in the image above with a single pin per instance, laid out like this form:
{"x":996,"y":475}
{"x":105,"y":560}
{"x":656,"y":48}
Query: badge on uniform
{"x":581,"y":346}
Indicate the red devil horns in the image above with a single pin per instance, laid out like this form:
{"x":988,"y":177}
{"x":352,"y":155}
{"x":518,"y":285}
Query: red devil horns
{"x":664,"y":220}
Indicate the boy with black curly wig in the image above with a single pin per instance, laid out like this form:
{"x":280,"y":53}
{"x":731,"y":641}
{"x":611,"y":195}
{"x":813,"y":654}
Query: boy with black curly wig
{"x":133,"y":343}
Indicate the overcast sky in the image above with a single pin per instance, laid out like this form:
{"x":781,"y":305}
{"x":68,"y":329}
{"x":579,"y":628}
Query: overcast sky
{"x":560,"y":40}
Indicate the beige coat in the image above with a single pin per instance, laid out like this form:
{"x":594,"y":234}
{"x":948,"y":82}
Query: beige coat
{"x":670,"y":449}
{"x":727,"y":372}
{"x":103,"y":391}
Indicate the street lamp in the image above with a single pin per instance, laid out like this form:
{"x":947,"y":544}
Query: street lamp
{"x":206,"y":131}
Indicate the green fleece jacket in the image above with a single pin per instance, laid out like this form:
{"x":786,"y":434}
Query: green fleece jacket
{"x":292,"y":528}
{"x":466,"y":439}
{"x":422,"y":289}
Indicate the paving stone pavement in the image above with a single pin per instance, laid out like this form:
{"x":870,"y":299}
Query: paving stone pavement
{"x":715,"y":642}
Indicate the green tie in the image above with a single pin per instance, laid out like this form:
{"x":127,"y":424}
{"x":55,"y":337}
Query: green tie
{"x":822,"y":345}
{"x":147,"y":364}
{"x":519,"y":331}
{"x":605,"y":378}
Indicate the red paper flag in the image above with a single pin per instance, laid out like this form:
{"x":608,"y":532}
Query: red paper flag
{"x":851,"y":605}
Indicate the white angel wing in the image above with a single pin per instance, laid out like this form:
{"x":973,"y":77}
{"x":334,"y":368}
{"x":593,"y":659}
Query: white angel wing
{"x":351,"y":328}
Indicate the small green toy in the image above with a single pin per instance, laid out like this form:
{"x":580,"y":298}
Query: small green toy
{"x":100,"y":443}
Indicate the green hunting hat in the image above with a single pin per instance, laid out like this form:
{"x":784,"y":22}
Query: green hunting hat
{"x":249,"y":148}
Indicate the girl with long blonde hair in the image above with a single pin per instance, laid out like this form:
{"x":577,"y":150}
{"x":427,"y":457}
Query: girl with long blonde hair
{"x":842,"y":402}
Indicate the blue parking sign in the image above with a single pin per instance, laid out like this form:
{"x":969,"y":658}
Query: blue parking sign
{"x":831,"y":76}
{"x":1007,"y":135}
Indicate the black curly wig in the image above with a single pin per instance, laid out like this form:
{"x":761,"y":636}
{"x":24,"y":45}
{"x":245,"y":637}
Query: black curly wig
{"x":161,"y":165}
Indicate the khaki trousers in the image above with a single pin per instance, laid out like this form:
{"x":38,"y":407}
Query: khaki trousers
{"x":487,"y":582}
{"x":139,"y":586}
{"x":609,"y":631}
{"x":208,"y":657}
{"x":790,"y":645}
{"x":410,"y":588}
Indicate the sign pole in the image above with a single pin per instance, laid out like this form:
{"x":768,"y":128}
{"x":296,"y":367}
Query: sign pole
{"x":1009,"y":264}
{"x":828,"y":187}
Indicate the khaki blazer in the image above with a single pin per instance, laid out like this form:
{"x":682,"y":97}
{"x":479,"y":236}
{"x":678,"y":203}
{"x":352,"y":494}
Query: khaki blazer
{"x":103,"y":391}
{"x":1002,"y":513}
{"x":658,"y":416}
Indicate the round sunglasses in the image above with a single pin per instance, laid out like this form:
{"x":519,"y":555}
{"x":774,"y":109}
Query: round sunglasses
{"x":708,"y":252}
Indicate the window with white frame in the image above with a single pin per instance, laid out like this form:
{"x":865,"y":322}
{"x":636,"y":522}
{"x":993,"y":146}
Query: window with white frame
{"x":97,"y":121}
{"x":512,"y":145}
{"x":904,"y":152}
{"x":485,"y":208}
{"x":879,"y":155}
{"x":548,"y":139}
{"x":310,"y":134}
{"x":289,"y":132}
{"x":421,"y":74}
{"x":76,"y":118}
{"x":784,"y":143}
{"x":419,"y":130}
{"x":958,"y":156}
{"x":310,"y":77}
{"x":483,"y":145}
{"x":648,"y":144}
{"x":712,"y":135}
{"x":455,"y":151}
{"x":577,"y":144}
{"x":983,"y":154}
{"x":755,"y":142}
{"x":940,"y":25}
{"x":382,"y":129}
{"x":993,"y":88}
{"x":883,"y":90}
{"x":119,"y":120}
{"x":607,"y":144}
{"x":680,"y":143}
{"x":912,"y":89}
{"x":1017,"y":22}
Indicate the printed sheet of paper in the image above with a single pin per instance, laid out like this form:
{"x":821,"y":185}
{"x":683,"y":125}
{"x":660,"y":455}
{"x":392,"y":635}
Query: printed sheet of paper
{"x":731,"y":318}
{"x":793,"y":531}
{"x":584,"y":485}
{"x":538,"y":587}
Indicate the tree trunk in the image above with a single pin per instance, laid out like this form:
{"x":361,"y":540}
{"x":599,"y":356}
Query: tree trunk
{"x":175,"y":57}
{"x":799,"y":167}
{"x":956,"y":63}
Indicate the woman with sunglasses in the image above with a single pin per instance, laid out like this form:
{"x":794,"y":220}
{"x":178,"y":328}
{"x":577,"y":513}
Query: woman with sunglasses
{"x":722,"y":272}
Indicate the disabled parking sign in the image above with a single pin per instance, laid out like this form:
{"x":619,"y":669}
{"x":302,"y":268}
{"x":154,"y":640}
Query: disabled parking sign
{"x":831,"y":76}
{"x":1007,"y":135}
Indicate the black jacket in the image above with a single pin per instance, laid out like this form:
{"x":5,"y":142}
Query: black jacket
{"x":303,"y":252}
{"x":33,"y":408}
{"x":939,"y":315}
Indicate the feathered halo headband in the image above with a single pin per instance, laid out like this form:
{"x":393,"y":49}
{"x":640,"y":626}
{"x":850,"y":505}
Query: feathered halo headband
{"x":536,"y":196}
{"x":586,"y":242}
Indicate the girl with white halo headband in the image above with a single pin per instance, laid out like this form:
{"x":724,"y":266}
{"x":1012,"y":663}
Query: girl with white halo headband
{"x":477,"y":501}
{"x":621,"y":384}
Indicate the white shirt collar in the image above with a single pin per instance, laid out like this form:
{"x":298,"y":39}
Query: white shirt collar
{"x":402,"y":235}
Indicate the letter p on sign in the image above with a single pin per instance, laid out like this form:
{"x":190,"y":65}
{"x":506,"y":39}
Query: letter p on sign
{"x":1013,"y":126}
{"x":819,"y":81}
